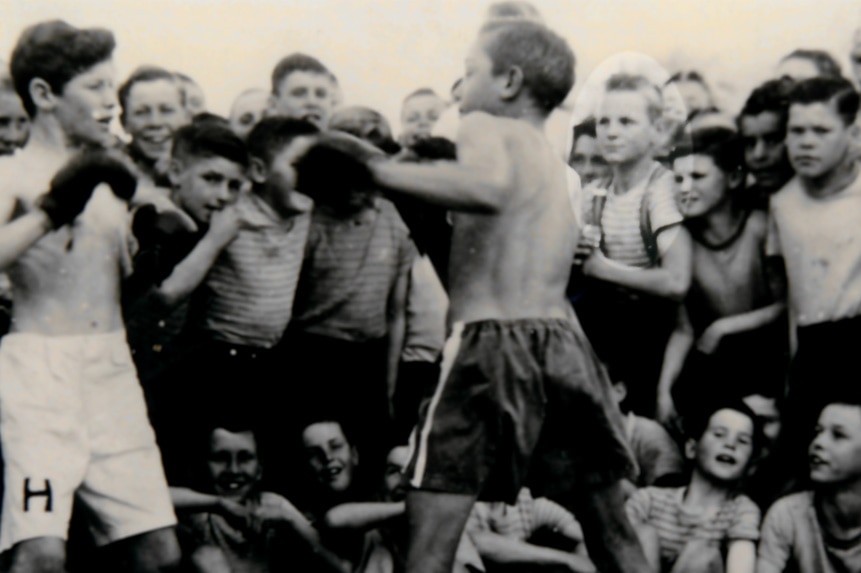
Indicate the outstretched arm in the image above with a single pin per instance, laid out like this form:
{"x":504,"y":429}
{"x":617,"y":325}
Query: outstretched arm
{"x":479,"y":181}
{"x":670,"y":280}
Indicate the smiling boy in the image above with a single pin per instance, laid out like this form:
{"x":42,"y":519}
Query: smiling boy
{"x":303,"y":88}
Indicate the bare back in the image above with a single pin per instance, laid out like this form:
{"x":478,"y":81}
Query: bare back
{"x":515,"y":263}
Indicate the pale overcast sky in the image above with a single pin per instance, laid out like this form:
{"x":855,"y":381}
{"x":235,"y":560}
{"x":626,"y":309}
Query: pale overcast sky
{"x":382,"y":49}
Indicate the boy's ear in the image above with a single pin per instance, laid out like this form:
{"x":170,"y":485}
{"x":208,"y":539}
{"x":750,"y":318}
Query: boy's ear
{"x":855,"y":132}
{"x":257,"y":171}
{"x":42,"y":94}
{"x":690,"y":449}
{"x":513,"y":83}
{"x":735,"y":178}
{"x":174,"y":169}
{"x":354,"y":454}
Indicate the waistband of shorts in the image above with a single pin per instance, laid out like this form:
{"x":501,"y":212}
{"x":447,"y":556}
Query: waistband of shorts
{"x":846,"y":327}
{"x":66,"y":339}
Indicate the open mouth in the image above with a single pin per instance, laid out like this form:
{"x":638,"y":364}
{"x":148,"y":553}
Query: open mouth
{"x":726,"y":459}
{"x":816,"y":461}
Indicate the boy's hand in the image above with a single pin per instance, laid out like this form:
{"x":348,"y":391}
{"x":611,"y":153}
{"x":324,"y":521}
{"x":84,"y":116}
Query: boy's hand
{"x":74,"y":183}
{"x":225,"y":225}
{"x":710,"y":338}
{"x":595,"y":264}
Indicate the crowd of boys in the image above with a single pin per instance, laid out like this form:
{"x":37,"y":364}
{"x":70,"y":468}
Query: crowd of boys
{"x":288,"y":340}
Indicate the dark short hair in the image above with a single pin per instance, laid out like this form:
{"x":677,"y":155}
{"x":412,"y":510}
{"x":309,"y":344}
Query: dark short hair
{"x":56,"y":52}
{"x":297,"y":62}
{"x":697,"y":422}
{"x":825,"y":63}
{"x":544,"y":57}
{"x":272,"y":134}
{"x":722,"y":144}
{"x":772,"y":97}
{"x":687,"y":76}
{"x":147,"y":73}
{"x":825,"y":90}
{"x":209,"y":139}
{"x":585,"y":128}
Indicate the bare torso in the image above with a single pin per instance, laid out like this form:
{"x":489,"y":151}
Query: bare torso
{"x":68,"y":282}
{"x":515,"y":263}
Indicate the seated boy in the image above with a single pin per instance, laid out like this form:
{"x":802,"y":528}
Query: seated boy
{"x":73,"y":421}
{"x":762,"y":128}
{"x":303,"y":88}
{"x":152,"y":110}
{"x":814,"y":234}
{"x":385,"y":543}
{"x":232,"y":525}
{"x":504,"y":536}
{"x":512,"y":339}
{"x":818,"y":530}
{"x":705,"y":525}
{"x":14,"y":121}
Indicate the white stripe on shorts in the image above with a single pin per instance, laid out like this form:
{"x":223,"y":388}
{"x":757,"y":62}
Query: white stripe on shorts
{"x":449,"y":353}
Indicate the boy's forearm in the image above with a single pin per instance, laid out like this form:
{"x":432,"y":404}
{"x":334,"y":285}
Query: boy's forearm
{"x":185,"y":499}
{"x":190,"y":272}
{"x":445,"y":183}
{"x":363,"y":515}
{"x":504,"y":551}
{"x":657,"y":281}
{"x":751,"y":320}
{"x":17,"y":236}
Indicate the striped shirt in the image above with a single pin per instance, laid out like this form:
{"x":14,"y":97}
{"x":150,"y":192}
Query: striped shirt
{"x":662,"y":508}
{"x":351,"y":266}
{"x":522,"y":520}
{"x":620,"y":219}
{"x":248,"y":293}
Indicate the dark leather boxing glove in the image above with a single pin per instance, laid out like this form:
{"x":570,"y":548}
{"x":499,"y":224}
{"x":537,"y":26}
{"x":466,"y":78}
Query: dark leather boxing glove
{"x":74,"y":183}
{"x":434,"y":149}
{"x":336,"y":164}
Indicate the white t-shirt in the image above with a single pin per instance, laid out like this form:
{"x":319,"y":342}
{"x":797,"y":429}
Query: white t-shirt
{"x":820,"y":242}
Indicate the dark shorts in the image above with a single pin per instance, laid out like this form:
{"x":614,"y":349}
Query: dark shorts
{"x":522,"y":402}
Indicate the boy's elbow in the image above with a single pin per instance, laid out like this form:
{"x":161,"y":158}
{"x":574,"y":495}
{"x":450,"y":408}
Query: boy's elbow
{"x":677,"y":287}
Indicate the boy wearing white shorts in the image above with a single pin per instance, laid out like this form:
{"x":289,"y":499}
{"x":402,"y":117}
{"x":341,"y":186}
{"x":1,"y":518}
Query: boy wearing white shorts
{"x":72,"y":415}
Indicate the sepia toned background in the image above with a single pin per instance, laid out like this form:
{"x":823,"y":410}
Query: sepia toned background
{"x":382,"y":49}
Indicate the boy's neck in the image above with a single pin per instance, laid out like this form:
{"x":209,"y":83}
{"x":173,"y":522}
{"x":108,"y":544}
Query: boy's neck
{"x":840,"y":509}
{"x":832,"y":182}
{"x":628,"y":175}
{"x":703,"y":493}
{"x":47,"y":133}
{"x":526,"y":112}
{"x":285,"y":208}
{"x":720,"y":224}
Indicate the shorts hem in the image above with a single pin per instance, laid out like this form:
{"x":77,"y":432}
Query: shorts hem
{"x":61,"y":533}
{"x":139,"y":528}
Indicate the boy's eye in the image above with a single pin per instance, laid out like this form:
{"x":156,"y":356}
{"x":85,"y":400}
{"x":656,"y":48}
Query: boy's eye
{"x":322,"y":93}
{"x":235,"y":185}
{"x":679,"y":179}
{"x":299,"y":92}
{"x":213,"y":178}
{"x":821,"y":130}
{"x":604,"y":121}
{"x":167,"y":109}
{"x":796,"y":130}
{"x":599,"y":160}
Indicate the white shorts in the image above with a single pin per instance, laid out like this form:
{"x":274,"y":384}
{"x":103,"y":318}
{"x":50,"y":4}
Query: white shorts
{"x":73,"y":421}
